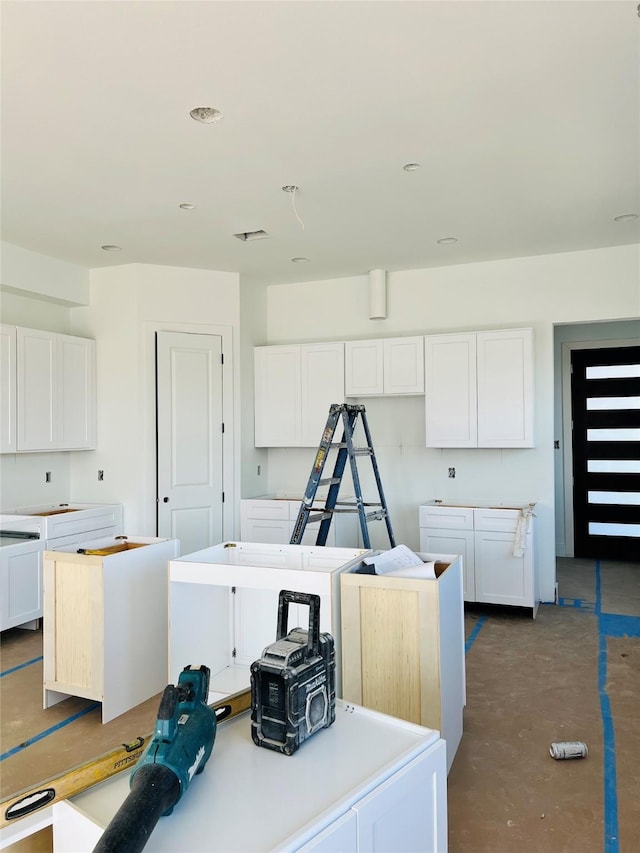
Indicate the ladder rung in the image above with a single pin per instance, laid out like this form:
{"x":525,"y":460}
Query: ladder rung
{"x":357,"y":451}
{"x":376,"y":516}
{"x":319,"y":516}
{"x":329,"y":481}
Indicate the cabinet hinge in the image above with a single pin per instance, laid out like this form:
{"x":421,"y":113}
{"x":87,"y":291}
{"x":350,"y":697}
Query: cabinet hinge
{"x":233,"y":590}
{"x":223,"y":497}
{"x":222,"y":426}
{"x":233,"y":653}
{"x":221,"y":358}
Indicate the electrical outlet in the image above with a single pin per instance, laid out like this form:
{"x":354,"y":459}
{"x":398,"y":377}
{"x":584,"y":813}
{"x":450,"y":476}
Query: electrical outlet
{"x":452,"y":472}
{"x":100,"y":475}
{"x":47,"y":476}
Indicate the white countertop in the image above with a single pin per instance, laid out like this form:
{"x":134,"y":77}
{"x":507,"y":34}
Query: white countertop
{"x":252,"y":798}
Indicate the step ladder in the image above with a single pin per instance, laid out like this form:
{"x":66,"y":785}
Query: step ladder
{"x":349,"y":415}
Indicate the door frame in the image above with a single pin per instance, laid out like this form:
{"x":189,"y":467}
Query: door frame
{"x":567,"y":433}
{"x":230,"y":462}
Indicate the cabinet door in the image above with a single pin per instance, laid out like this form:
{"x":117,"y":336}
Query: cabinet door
{"x":341,"y":836}
{"x":453,"y":542}
{"x":76,"y":389}
{"x":505,"y":388}
{"x":37,"y":389}
{"x":450,"y":390}
{"x":270,"y":531}
{"x":502,"y":578}
{"x":322,"y":383}
{"x":20,"y":584}
{"x":8,"y":443}
{"x":403,"y":365}
{"x":408,"y":811}
{"x":277,"y":396}
{"x":364,"y":360}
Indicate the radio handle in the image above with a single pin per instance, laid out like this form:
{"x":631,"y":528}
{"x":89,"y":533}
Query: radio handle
{"x":313,"y":602}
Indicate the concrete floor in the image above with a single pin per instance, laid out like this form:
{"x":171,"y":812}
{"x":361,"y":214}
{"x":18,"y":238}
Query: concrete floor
{"x":573,"y":673}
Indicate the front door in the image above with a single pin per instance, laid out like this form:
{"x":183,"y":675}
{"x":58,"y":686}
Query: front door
{"x":605,"y":402}
{"x":190,"y":439}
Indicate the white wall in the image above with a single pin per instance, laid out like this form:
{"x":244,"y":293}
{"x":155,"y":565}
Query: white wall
{"x":253,"y":332}
{"x":128,"y":304}
{"x":44,"y":277}
{"x":538,"y":292}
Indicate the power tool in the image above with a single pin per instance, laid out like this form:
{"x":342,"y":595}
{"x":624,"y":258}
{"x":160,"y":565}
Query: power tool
{"x":179,"y":749}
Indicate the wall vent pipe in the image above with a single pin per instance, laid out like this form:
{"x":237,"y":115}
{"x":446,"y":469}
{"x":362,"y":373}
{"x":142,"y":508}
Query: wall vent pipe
{"x":377,"y":294}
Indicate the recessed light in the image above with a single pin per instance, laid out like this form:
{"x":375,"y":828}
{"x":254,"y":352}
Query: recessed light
{"x":411,"y":167}
{"x":447,"y":240}
{"x":207,"y":115}
{"x":187,"y":206}
{"x":626,"y":217}
{"x":109,"y":248}
{"x":299,"y":260}
{"x":290,"y":188}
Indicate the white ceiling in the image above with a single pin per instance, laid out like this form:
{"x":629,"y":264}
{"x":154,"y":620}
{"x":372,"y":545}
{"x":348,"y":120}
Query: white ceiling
{"x":523,"y":115}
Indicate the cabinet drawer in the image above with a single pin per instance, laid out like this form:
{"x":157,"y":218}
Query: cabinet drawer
{"x":269,"y":510}
{"x":498,"y":520}
{"x":447,"y":517}
{"x":67,"y":524}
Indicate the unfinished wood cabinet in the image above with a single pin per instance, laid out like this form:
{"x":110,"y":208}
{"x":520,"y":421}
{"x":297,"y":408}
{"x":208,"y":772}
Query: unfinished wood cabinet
{"x":105,"y":623}
{"x":403,"y":647}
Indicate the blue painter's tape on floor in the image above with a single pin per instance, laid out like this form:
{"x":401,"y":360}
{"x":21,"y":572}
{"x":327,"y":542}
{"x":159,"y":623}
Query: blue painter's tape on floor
{"x":48,"y":732}
{"x":472,"y":636}
{"x":616,"y":625}
{"x":611,"y":842}
{"x":577,"y":604}
{"x":20,"y":666}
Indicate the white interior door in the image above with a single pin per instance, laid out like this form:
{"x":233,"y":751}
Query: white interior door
{"x":190,"y":439}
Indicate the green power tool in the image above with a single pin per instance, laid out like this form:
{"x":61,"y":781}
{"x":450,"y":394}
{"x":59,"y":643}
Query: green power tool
{"x":179,"y":749}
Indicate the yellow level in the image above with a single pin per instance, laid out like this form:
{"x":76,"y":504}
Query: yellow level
{"x":98,"y":769}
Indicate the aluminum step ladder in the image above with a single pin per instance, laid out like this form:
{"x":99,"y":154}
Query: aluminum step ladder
{"x":367,"y":512}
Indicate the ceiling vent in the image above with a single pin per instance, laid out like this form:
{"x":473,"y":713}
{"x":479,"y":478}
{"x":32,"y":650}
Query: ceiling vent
{"x":246,"y":236}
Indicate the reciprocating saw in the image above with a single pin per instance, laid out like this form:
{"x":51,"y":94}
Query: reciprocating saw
{"x":179,"y":749}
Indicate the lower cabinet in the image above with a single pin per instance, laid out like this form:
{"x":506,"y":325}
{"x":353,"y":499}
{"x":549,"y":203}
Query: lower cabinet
{"x":223,"y":604}
{"x":105,"y":622}
{"x":21,"y":584}
{"x":496,"y":545}
{"x":369,"y":782}
{"x":272,"y":519}
{"x":403,"y":646}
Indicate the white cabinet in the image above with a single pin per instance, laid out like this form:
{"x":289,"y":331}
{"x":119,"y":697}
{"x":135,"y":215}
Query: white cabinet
{"x":223,"y":604}
{"x":105,"y":622}
{"x":66,"y":523}
{"x":20,"y":583}
{"x":55,"y":391}
{"x":369,"y":783}
{"x":272,"y":519}
{"x":403,"y":646}
{"x":496,"y":544}
{"x":294,"y":387}
{"x":8,"y":376}
{"x":384,"y":366}
{"x":479,"y":389}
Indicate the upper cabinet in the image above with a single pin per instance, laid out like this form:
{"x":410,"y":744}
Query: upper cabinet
{"x":294,"y":387}
{"x":384,"y":366}
{"x":51,"y":404}
{"x":8,"y":443}
{"x":479,"y":389}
